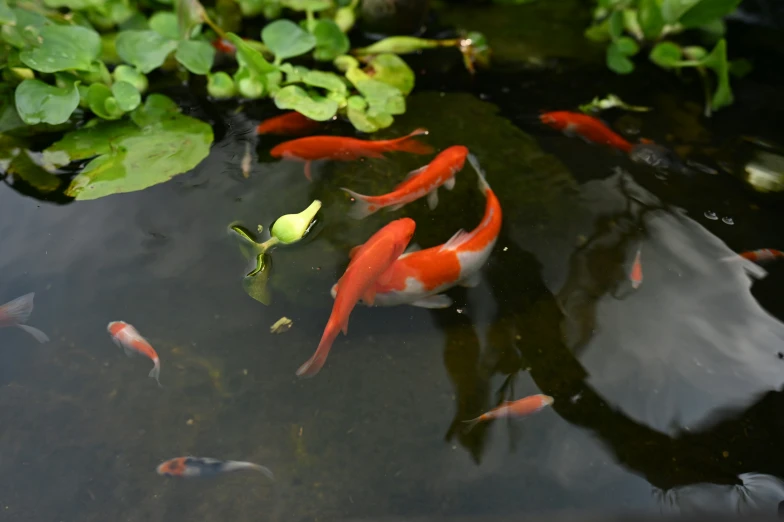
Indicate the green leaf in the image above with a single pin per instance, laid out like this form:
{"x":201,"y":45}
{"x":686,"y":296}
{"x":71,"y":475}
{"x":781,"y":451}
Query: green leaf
{"x":165,"y":24}
{"x":615,"y":26}
{"x":325,"y":80}
{"x":717,"y":62}
{"x":63,"y":47}
{"x":74,"y":5}
{"x":618,"y":53}
{"x":7,"y":15}
{"x":125,"y":73}
{"x":286,"y":39}
{"x":251,"y":8}
{"x":314,"y":107}
{"x":294,"y":74}
{"x":102,"y":103}
{"x":381,"y":97}
{"x":249,"y":84}
{"x":24,"y":168}
{"x":250,"y":57}
{"x":127,"y":96}
{"x":599,"y":32}
{"x":145,"y":50}
{"x":394,"y":71}
{"x":627,"y":46}
{"x":195,"y":55}
{"x":221,"y":86}
{"x":190,"y":13}
{"x":706,"y":11}
{"x":307,"y":5}
{"x":358,"y":116}
{"x":132,"y":157}
{"x":650,"y":18}
{"x":672,"y":10}
{"x":738,"y":68}
{"x":38,"y":102}
{"x":398,"y":45}
{"x":666,"y":54}
{"x":331,"y":42}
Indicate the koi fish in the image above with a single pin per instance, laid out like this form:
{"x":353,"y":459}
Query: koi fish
{"x":424,"y":181}
{"x":346,"y":149}
{"x":126,"y":337}
{"x":518,"y":408}
{"x":287,"y":123}
{"x":417,"y":278}
{"x":223,"y":46}
{"x":368,"y":262}
{"x":635,"y":276}
{"x":16,"y":313}
{"x":589,"y":128}
{"x":188,"y":467}
{"x":751,"y":258}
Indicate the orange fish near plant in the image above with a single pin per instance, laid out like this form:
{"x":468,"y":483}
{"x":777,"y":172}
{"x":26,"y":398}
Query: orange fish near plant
{"x":421,"y":182}
{"x":346,"y":149}
{"x":518,"y":408}
{"x":16,"y":312}
{"x":287,"y":123}
{"x":223,"y":46}
{"x":752,"y":260}
{"x":635,"y":276}
{"x":126,"y":337}
{"x":368,"y":262}
{"x":189,"y":467}
{"x":587,"y":127}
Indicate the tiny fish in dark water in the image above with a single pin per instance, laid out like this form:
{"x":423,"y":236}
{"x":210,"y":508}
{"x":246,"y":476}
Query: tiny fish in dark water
{"x":16,"y":313}
{"x":188,"y":467}
{"x":658,"y":157}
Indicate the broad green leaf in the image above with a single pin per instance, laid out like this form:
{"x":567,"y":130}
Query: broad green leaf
{"x":706,"y":11}
{"x":249,"y":57}
{"x":666,"y":54}
{"x":286,"y":39}
{"x":125,"y":73}
{"x":96,"y":73}
{"x":331,"y":42}
{"x":650,"y":18}
{"x":307,"y":5}
{"x":251,"y":7}
{"x":9,"y":117}
{"x":294,"y":73}
{"x":24,"y":168}
{"x":615,"y":25}
{"x":617,"y":60}
{"x":156,"y":108}
{"x":128,"y":98}
{"x":221,"y":86}
{"x":398,"y":45}
{"x":345,"y":17}
{"x":132,"y":157}
{"x":63,"y":47}
{"x":7,"y":15}
{"x":345,"y":63}
{"x":599,"y":32}
{"x":249,"y":84}
{"x":694,"y":52}
{"x":364,"y":122}
{"x":190,"y":13}
{"x":672,"y":10}
{"x":381,"y":97}
{"x":314,"y":107}
{"x":325,"y":80}
{"x":145,"y":50}
{"x":38,"y":102}
{"x":631,"y":23}
{"x":627,"y":46}
{"x":102,"y":103}
{"x":717,"y":62}
{"x":195,"y":55}
{"x":256,"y":281}
{"x":74,"y":5}
{"x":165,"y":24}
{"x":392,"y":70}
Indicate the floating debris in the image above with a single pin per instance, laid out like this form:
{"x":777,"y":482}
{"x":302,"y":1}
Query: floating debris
{"x":281,"y":325}
{"x":611,"y":101}
{"x":246,"y":159}
{"x":711,"y":215}
{"x":727,"y":220}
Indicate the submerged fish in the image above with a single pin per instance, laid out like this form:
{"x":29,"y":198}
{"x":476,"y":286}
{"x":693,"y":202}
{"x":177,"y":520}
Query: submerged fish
{"x":16,"y":312}
{"x":424,"y":181}
{"x":635,"y":276}
{"x":346,"y":149}
{"x":587,"y":127}
{"x":126,"y":337}
{"x":658,"y":157}
{"x":287,"y":123}
{"x":518,"y":408}
{"x":187,"y":467}
{"x":223,"y":46}
{"x":245,"y":164}
{"x":368,"y":262}
{"x":418,"y":278}
{"x":752,"y":260}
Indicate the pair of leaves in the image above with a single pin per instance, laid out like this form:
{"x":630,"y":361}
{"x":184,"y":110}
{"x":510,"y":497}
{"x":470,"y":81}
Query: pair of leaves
{"x":62,"y":48}
{"x":695,"y":13}
{"x":147,"y":50}
{"x":311,"y":103}
{"x":618,"y":53}
{"x":286,"y":40}
{"x":111,"y":104}
{"x":39,"y":102}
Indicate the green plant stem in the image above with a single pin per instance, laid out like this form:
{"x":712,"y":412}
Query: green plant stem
{"x":267,"y":245}
{"x":706,"y":90}
{"x":220,"y":32}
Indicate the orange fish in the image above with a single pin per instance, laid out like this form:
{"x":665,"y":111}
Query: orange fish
{"x":287,"y":123}
{"x":418,"y":278}
{"x":636,"y":274}
{"x":589,"y":128}
{"x":16,"y":312}
{"x":762,"y":255}
{"x":223,"y":46}
{"x":518,"y":408}
{"x":346,"y":149}
{"x":368,"y":262}
{"x":126,"y":337}
{"x":424,"y":181}
{"x":188,"y":467}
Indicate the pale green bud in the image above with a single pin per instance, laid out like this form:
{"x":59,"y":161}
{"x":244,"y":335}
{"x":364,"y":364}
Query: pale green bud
{"x":220,"y":85}
{"x":293,"y":227}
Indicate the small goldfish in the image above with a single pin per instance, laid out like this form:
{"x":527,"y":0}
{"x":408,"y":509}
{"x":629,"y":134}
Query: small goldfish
{"x":223,"y":46}
{"x":126,"y":337}
{"x":589,"y":128}
{"x":368,"y":262}
{"x":762,"y":255}
{"x":518,"y":408}
{"x":287,"y":123}
{"x":245,"y":164}
{"x":635,"y":276}
{"x":424,"y":181}
{"x":16,"y":313}
{"x":188,"y":467}
{"x":346,"y":149}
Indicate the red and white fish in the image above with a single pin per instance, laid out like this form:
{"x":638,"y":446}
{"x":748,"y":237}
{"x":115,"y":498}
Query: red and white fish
{"x":419,"y":183}
{"x":752,"y":259}
{"x":368,"y":262}
{"x":223,"y":46}
{"x":126,"y":337}
{"x":587,"y":127}
{"x":346,"y":149}
{"x":418,"y":278}
{"x":635,"y":276}
{"x":16,"y":312}
{"x":518,"y":408}
{"x":189,"y":467}
{"x":287,"y":123}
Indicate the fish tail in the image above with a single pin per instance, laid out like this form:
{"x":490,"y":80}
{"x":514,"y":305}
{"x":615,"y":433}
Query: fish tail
{"x":483,"y":185}
{"x":313,"y":365}
{"x":407,"y":144}
{"x":19,"y":310}
{"x":362,"y":208}
{"x":35,"y":332}
{"x":753,"y":269}
{"x":234,"y":465}
{"x":155,"y":373}
{"x":472,"y":423}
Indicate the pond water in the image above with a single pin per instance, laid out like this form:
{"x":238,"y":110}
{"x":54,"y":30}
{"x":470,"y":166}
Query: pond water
{"x":667,"y":398}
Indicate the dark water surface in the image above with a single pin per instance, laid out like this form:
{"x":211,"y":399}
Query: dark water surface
{"x":667,"y":399}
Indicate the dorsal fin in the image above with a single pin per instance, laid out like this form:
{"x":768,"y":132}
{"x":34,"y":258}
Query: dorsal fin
{"x":456,"y":240}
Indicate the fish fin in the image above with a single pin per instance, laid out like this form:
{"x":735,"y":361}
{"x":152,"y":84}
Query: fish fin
{"x":353,"y":251}
{"x":413,"y":247}
{"x":369,"y":297}
{"x":432,"y":199}
{"x":753,"y":269}
{"x":472,"y":423}
{"x":407,"y":144}
{"x":263,"y":470}
{"x":35,"y":332}
{"x":344,"y":324}
{"x":483,"y":185}
{"x":414,"y":173}
{"x":450,"y":183}
{"x":19,"y":309}
{"x":127,"y":349}
{"x":455,"y":240}
{"x":334,"y":291}
{"x":361,"y":207}
{"x":307,"y":171}
{"x":155,"y":373}
{"x":433,"y":302}
{"x":313,"y":365}
{"x":392,"y":208}
{"x":471,"y":281}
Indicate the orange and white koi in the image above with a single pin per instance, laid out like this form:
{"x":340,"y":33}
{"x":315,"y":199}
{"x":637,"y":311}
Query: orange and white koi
{"x":287,"y":123}
{"x":751,"y":259}
{"x":518,"y":408}
{"x":189,"y":467}
{"x":346,"y":149}
{"x":587,"y":127}
{"x":635,"y":276}
{"x":223,"y":46}
{"x":418,"y":278}
{"x":17,"y":312}
{"x":368,"y":262}
{"x":126,"y":337}
{"x":421,"y":182}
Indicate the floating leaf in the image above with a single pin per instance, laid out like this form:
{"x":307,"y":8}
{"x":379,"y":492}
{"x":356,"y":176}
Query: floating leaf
{"x":127,"y":96}
{"x":221,"y":86}
{"x":74,"y":5}
{"x":650,"y":18}
{"x":195,"y":55}
{"x":609,"y":102}
{"x":124,"y":73}
{"x":190,"y":13}
{"x":672,"y":10}
{"x":146,"y":50}
{"x":399,"y":45}
{"x":325,"y":80}
{"x":717,"y":62}
{"x":63,"y":47}
{"x":307,"y":5}
{"x":314,"y":107}
{"x":707,"y":11}
{"x":102,"y":103}
{"x":618,"y":52}
{"x":666,"y":54}
{"x":133,"y":157}
{"x":286,"y":39}
{"x":250,"y":57}
{"x":361,"y":120}
{"x":615,"y":26}
{"x":7,"y":15}
{"x":255,"y":283}
{"x":331,"y":42}
{"x":165,"y":24}
{"x":392,"y":70}
{"x":249,"y":84}
{"x":24,"y":168}
{"x":38,"y":102}
{"x":345,"y":63}
{"x":381,"y":97}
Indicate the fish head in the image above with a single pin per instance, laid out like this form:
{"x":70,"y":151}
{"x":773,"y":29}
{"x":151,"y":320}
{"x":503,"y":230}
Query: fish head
{"x":554,"y":119}
{"x":172,"y":468}
{"x":116,"y":326}
{"x":547,"y":400}
{"x":401,"y":231}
